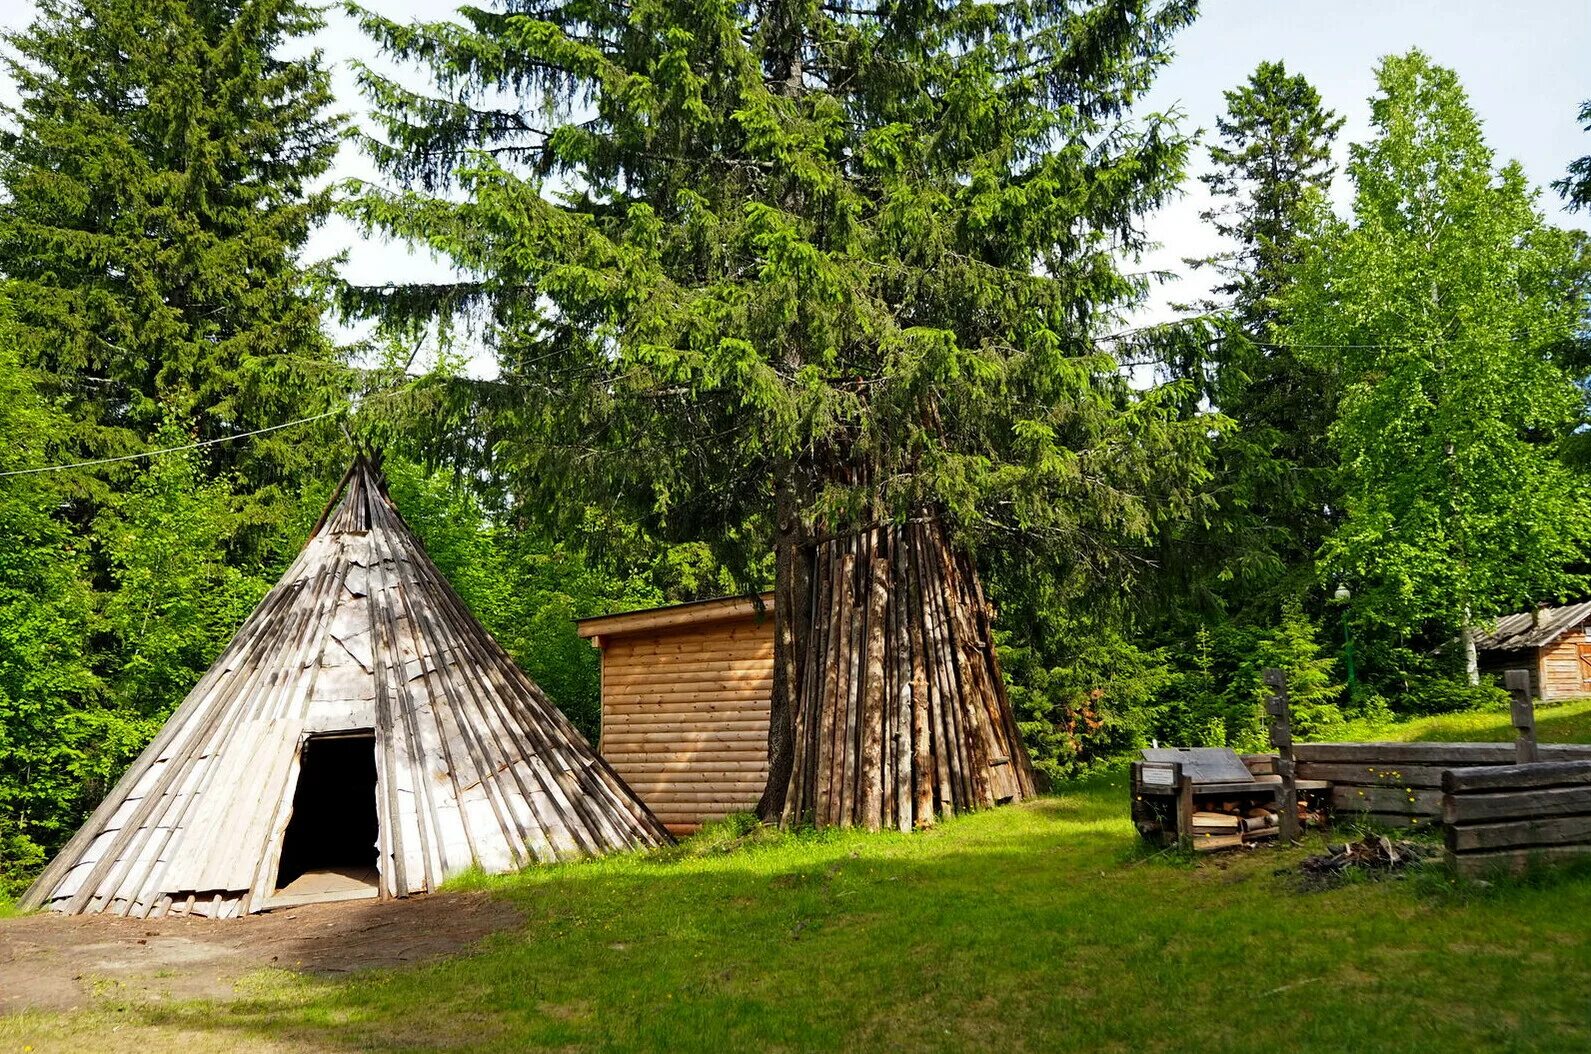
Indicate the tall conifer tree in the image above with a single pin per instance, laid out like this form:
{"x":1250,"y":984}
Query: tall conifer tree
{"x":772,"y":271}
{"x":1576,"y":186}
{"x":1270,"y":170}
{"x":160,"y":182}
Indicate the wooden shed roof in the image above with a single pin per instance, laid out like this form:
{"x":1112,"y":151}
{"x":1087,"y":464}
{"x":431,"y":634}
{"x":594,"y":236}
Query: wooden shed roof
{"x":672,"y":615}
{"x":1534,"y":629}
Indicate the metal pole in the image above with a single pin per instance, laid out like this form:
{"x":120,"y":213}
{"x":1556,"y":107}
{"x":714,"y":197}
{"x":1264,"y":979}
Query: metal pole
{"x":1347,"y":654}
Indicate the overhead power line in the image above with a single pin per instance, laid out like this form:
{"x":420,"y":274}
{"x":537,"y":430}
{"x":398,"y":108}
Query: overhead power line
{"x":170,"y":449}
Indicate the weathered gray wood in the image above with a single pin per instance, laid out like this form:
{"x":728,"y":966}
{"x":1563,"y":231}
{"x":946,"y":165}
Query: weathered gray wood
{"x":1506,"y":805}
{"x":1513,"y":861}
{"x":1203,"y":764}
{"x":1547,"y":830}
{"x":475,"y":766}
{"x":1287,"y":799}
{"x":1524,"y":715}
{"x":1184,"y":806}
{"x":1372,"y":775}
{"x":1397,"y":820}
{"x":1441,"y":755}
{"x":913,"y":718}
{"x":1347,"y":798}
{"x":1259,"y":764}
{"x":1517,"y":777}
{"x":1276,"y":705}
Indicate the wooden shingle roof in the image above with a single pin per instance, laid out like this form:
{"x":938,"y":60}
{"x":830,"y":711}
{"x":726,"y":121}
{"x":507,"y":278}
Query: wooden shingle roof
{"x":1534,"y":629}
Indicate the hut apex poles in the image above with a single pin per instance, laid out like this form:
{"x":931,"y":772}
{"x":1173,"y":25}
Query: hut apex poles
{"x":1280,"y":712}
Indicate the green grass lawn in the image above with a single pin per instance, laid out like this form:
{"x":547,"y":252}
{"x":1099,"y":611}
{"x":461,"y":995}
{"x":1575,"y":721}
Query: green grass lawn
{"x":1566,"y":722}
{"x":1038,"y":927}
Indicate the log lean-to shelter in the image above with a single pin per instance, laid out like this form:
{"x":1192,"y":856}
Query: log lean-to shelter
{"x":361,"y":736}
{"x":685,"y":699}
{"x":1550,"y":642}
{"x":901,"y":714}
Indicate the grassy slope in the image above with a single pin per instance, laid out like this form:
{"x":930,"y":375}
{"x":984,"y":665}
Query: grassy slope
{"x":1039,"y":927}
{"x":1567,"y":722}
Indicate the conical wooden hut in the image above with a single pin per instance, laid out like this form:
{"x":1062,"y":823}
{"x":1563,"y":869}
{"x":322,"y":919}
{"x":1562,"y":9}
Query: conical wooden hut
{"x":361,"y":736}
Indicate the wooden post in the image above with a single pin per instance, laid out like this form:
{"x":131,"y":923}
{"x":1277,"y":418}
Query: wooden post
{"x":1184,"y":806}
{"x":1282,"y":739}
{"x":1524,"y":708}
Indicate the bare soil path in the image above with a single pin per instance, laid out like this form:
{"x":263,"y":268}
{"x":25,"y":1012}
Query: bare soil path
{"x":54,"y":962}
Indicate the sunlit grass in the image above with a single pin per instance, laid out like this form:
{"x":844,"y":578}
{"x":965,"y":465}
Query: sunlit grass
{"x":1565,"y":722}
{"x":1045,"y":926}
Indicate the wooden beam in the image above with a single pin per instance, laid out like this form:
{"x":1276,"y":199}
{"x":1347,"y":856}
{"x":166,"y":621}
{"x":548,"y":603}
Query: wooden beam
{"x":697,"y":613}
{"x":1512,"y":777}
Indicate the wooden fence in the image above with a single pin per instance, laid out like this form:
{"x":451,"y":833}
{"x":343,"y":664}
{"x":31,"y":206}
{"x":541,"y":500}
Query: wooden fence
{"x":1400,"y":784}
{"x":1502,"y":817}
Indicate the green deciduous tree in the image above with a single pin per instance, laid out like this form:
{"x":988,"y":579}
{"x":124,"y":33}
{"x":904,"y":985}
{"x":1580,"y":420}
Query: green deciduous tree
{"x":790,"y":268}
{"x":159,"y":183}
{"x":1440,"y":303}
{"x":53,"y":728}
{"x":175,"y":599}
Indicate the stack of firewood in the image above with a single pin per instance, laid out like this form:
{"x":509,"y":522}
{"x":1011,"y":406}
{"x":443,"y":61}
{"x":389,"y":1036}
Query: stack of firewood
{"x":1231,"y":823}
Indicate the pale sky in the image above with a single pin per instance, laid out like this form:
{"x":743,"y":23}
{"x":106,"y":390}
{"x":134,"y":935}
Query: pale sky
{"x":1524,"y":63}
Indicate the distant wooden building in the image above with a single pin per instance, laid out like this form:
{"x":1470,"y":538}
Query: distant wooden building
{"x":685,"y":695}
{"x":1550,"y":642}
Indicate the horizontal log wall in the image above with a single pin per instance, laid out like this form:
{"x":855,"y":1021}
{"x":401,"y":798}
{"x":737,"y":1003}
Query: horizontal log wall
{"x":1400,"y":784}
{"x":1504,"y":817}
{"x":685,"y":715}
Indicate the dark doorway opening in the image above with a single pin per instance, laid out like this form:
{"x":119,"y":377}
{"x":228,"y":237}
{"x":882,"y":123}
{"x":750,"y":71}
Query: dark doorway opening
{"x":330,"y":844}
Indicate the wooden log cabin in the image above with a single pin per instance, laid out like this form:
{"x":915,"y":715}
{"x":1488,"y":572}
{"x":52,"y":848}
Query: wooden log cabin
{"x":1550,"y":642}
{"x":685,"y":695}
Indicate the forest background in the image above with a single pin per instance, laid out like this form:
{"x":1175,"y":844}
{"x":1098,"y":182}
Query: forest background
{"x":1382,"y":362}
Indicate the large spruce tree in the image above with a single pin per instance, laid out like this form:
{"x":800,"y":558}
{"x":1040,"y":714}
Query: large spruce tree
{"x":1438,"y":308}
{"x":1576,"y":186}
{"x":159,"y":178}
{"x":1270,"y":169}
{"x":771,"y":273}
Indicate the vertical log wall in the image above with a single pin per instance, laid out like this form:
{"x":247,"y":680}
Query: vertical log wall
{"x":902,"y":714}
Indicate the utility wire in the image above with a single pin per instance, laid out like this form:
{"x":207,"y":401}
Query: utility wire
{"x":1107,"y":338}
{"x":171,"y":449}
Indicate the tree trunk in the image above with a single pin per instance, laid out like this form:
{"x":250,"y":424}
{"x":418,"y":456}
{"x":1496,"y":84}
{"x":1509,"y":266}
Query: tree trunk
{"x":900,"y":713}
{"x":1472,"y":666}
{"x":792,"y":611}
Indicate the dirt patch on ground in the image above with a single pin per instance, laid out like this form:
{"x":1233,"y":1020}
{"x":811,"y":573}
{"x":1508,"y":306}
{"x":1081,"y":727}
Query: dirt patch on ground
{"x":54,"y":962}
